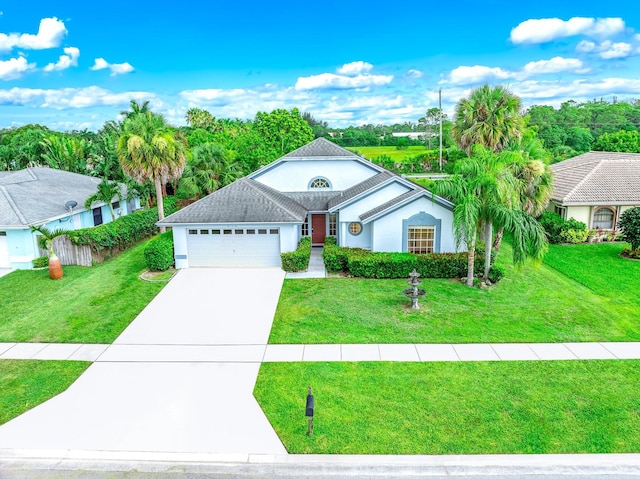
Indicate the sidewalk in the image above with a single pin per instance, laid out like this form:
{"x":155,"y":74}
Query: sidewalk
{"x":316,"y":267}
{"x":256,"y":353}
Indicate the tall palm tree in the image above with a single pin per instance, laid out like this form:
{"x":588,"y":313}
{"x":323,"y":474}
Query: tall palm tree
{"x":490,"y":116}
{"x":106,"y":192}
{"x":148,"y":150}
{"x":136,"y":108}
{"x":210,"y":168}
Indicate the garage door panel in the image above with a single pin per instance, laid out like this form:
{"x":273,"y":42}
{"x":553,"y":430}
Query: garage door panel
{"x":236,"y":247}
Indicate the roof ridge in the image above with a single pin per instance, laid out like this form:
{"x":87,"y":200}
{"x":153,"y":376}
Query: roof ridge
{"x":13,"y":205}
{"x":254,"y":184}
{"x":583,"y":180}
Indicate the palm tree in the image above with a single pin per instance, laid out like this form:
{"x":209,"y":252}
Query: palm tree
{"x":135,"y":109}
{"x":210,"y":168}
{"x":490,"y":116}
{"x":45,"y":241}
{"x":148,"y":150}
{"x":106,"y":192}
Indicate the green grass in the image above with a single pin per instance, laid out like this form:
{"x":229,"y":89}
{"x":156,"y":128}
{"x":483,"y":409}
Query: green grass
{"x":26,"y":383}
{"x":455,"y":408}
{"x":533,"y":304}
{"x":371,"y":152}
{"x":88,"y":305}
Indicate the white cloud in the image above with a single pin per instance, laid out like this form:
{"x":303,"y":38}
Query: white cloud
{"x":414,"y":74}
{"x":67,"y":98}
{"x":609,"y":50}
{"x":354,"y":68}
{"x":554,"y":65}
{"x":14,"y":68}
{"x":116,"y":68}
{"x":340,"y":82}
{"x":547,"y":29}
{"x":69,"y":59}
{"x":465,"y":75}
{"x":50,"y":34}
{"x":579,"y":90}
{"x":606,"y":50}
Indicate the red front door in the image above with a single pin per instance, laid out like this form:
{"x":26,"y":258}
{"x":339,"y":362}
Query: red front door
{"x":318,"y":228}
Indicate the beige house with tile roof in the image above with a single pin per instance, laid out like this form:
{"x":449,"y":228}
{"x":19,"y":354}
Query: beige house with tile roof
{"x":596,"y":187}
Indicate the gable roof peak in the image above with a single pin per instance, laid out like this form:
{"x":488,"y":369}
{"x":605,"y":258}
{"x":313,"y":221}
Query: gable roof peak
{"x":322,"y":148}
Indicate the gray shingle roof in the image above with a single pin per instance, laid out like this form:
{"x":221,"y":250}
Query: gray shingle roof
{"x":360,"y":188}
{"x":313,"y":200}
{"x":36,"y":195}
{"x":391,"y":203}
{"x":598,"y":177}
{"x":320,"y":148}
{"x":243,"y":201}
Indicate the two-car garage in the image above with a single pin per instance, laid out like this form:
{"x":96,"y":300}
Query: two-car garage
{"x":233,"y":247}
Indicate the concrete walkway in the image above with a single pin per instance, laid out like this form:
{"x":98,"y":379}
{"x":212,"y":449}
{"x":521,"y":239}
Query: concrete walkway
{"x":136,"y":406}
{"x":260,"y":352}
{"x":316,"y":268}
{"x":5,"y":271}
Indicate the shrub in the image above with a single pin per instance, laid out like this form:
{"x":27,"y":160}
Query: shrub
{"x":41,"y":262}
{"x":158,"y":254}
{"x":297,"y":260}
{"x":366,"y":264}
{"x":124,"y":231}
{"x":496,"y":273}
{"x":630,"y":224}
{"x":559,"y":230}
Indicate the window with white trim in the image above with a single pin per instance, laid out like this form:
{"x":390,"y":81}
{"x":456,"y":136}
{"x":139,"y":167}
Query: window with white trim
{"x":333,"y":225}
{"x":305,"y":227}
{"x":320,"y":184}
{"x":421,"y":239}
{"x":603,"y":218}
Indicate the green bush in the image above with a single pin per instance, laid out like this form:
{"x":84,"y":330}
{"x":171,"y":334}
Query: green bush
{"x":297,"y":260}
{"x":158,"y":254}
{"x":559,"y":230}
{"x":631,"y":253}
{"x":630,"y":224}
{"x":124,"y":231}
{"x":496,"y":273}
{"x":366,"y":264}
{"x":41,"y":262}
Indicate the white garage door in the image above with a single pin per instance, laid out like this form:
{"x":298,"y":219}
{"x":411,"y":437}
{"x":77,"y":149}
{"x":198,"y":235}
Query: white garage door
{"x":4,"y":250}
{"x":237,"y":247}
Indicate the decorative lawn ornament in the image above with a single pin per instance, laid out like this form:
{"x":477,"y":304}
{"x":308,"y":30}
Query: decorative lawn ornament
{"x":413,"y":292}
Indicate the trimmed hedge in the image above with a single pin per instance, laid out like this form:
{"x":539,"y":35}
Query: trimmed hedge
{"x":297,"y":260}
{"x":366,"y":264}
{"x":124,"y":231}
{"x":158,"y":254}
{"x":40,"y":262}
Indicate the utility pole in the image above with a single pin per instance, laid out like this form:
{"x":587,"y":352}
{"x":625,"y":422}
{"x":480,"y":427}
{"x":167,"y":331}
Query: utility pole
{"x":440,"y":118}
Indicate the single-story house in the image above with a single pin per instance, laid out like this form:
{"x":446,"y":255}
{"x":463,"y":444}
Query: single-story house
{"x":596,"y":187}
{"x":49,"y":197}
{"x":317,"y":190}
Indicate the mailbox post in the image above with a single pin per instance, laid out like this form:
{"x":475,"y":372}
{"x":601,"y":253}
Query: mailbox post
{"x":309,"y":412}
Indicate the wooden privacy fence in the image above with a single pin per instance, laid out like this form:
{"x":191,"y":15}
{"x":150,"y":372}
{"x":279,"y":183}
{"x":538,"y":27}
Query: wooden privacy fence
{"x":80,"y":255}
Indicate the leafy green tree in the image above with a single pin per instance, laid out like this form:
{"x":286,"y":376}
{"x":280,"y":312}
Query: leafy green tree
{"x":622,"y":141}
{"x":199,"y":118}
{"x":23,"y":147}
{"x":65,"y":152}
{"x":319,"y":128}
{"x":136,"y":108}
{"x":149,"y":150}
{"x":106,"y":192}
{"x":211,"y":167}
{"x":490,"y":116}
{"x":630,"y":224}
{"x":580,"y":139}
{"x":282,"y":131}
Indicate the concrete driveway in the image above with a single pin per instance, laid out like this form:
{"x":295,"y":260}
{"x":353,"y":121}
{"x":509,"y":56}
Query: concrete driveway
{"x":129,"y":403}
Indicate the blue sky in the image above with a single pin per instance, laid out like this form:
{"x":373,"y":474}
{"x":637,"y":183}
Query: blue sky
{"x":75,"y":64}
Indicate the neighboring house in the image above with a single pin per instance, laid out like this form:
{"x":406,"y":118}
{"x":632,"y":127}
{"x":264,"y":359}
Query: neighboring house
{"x":45,"y":196}
{"x":317,"y":190}
{"x":596,"y":188}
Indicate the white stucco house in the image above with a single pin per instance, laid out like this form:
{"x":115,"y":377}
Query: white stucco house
{"x":317,"y":190}
{"x":49,"y":197}
{"x":596,"y":187}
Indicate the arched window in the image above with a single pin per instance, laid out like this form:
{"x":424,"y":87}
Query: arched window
{"x":319,"y":183}
{"x":603,"y":218}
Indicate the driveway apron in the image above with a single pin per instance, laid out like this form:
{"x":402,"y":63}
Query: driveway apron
{"x":190,"y":400}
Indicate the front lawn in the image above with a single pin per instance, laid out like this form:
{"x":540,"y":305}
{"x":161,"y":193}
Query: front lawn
{"x":26,"y":383}
{"x":88,"y":305}
{"x":533,"y":304}
{"x":455,"y":408}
